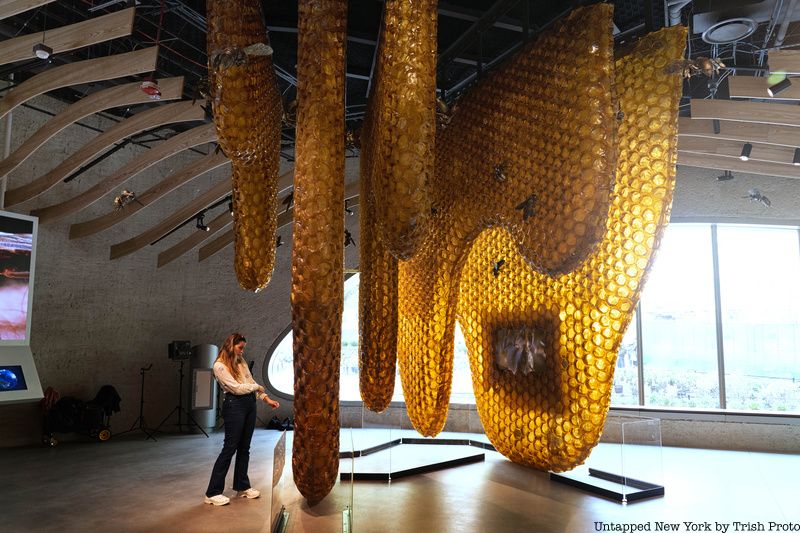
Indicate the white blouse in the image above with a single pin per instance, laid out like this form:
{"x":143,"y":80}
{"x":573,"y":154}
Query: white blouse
{"x":245,"y":385}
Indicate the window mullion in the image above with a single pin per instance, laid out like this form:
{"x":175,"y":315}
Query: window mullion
{"x":718,"y":316}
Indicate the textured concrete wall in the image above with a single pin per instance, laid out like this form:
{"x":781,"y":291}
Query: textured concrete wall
{"x":97,"y":321}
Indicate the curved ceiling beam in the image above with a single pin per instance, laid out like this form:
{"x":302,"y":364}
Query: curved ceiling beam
{"x":169,"y":255}
{"x":171,"y":222}
{"x":222,"y":221}
{"x":734,"y":163}
{"x":745,"y":132}
{"x":284,"y":219}
{"x":188,"y":139}
{"x":146,"y":120}
{"x":120,"y":95}
{"x":186,"y":174}
{"x":744,"y":111}
{"x":13,"y":7}
{"x":66,"y":38}
{"x":101,"y":68}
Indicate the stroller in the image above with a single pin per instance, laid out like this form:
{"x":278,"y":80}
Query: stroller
{"x":67,"y":414}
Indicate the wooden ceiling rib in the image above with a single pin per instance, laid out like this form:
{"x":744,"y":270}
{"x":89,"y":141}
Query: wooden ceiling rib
{"x":9,"y":8}
{"x":167,"y":256}
{"x":734,"y":163}
{"x":170,"y":254}
{"x":196,"y":168}
{"x":752,"y":87}
{"x":120,"y":95}
{"x":220,"y":243}
{"x":158,"y":116}
{"x":786,"y":61}
{"x":90,"y":70}
{"x":769,"y":113}
{"x":171,"y":222}
{"x":188,"y":139}
{"x":66,"y":38}
{"x":718,"y":147}
{"x":284,"y":218}
{"x":739,"y":131}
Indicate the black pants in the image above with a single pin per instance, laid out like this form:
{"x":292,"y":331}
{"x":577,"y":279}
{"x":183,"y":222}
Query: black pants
{"x":239,"y":413}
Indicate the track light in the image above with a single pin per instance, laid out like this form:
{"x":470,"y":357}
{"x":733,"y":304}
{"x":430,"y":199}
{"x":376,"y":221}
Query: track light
{"x":796,"y":160}
{"x":230,"y":208}
{"x":716,"y":124}
{"x":746,"y":149}
{"x":199,"y":223}
{"x":42,"y":51}
{"x":779,"y":87}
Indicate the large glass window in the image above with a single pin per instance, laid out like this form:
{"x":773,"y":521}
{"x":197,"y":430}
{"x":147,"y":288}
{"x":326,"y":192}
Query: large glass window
{"x":626,"y":376}
{"x":679,"y":343}
{"x":758,"y":274}
{"x":759,"y":271}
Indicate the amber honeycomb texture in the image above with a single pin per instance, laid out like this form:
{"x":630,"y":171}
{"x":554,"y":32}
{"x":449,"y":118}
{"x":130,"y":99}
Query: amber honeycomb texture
{"x":547,"y":120}
{"x":401,"y":118}
{"x":377,"y":304}
{"x":247,"y":112}
{"x":317,"y":267}
{"x":553,"y":419}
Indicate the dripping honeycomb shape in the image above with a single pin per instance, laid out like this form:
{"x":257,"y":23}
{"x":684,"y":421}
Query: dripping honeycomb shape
{"x":247,"y":112}
{"x":317,"y":266}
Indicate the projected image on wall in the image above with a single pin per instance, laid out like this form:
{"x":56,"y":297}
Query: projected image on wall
{"x":16,"y":244}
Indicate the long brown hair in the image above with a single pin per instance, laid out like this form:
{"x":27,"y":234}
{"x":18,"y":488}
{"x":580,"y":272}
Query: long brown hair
{"x":228,"y":357}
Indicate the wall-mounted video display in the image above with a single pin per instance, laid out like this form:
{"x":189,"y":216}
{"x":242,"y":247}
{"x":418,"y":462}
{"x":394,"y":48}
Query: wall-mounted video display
{"x":17,"y":259}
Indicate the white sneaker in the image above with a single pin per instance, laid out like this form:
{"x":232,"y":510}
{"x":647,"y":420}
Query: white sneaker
{"x":219,"y":499}
{"x":249,"y":493}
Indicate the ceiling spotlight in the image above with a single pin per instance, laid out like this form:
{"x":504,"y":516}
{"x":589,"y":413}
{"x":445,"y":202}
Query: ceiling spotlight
{"x":716,"y":124}
{"x":230,"y":208}
{"x":779,"y":87}
{"x":746,"y":149}
{"x":199,"y":223}
{"x":42,"y":51}
{"x":796,"y":160}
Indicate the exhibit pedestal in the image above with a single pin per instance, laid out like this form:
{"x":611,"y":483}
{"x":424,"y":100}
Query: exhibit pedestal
{"x":626,"y":466}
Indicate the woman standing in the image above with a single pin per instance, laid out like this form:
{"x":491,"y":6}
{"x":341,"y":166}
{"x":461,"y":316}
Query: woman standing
{"x":239,"y":413}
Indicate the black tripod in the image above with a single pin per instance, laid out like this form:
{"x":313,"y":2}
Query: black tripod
{"x":139,"y":424}
{"x":180,"y":409}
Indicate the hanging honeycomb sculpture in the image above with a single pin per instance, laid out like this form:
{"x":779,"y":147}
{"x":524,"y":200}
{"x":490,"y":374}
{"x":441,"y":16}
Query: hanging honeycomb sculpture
{"x":401,"y":118}
{"x":397,"y":141}
{"x":317,"y":268}
{"x":377,"y":304}
{"x":546,"y":118}
{"x":247,"y":111}
{"x":580,"y":297}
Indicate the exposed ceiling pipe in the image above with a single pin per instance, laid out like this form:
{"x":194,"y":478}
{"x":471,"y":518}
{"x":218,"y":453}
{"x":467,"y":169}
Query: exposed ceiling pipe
{"x":674,"y":8}
{"x":787,"y":18}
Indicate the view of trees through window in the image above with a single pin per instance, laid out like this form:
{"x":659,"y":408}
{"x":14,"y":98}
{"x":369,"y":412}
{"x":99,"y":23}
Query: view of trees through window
{"x":759,"y":320}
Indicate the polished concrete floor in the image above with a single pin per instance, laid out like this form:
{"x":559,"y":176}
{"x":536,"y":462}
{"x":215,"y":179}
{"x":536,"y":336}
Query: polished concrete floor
{"x":129,"y":484}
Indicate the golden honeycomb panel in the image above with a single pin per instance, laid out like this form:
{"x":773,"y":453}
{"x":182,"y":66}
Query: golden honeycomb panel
{"x":401,"y":117}
{"x":317,"y":267}
{"x":377,"y":304}
{"x":541,"y":128}
{"x":552,"y":419}
{"x":247,"y":112}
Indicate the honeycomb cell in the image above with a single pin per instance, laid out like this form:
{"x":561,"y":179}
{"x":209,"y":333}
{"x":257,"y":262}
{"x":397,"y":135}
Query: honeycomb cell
{"x":247,"y":111}
{"x":317,"y":266}
{"x":512,"y":156}
{"x":401,"y":119}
